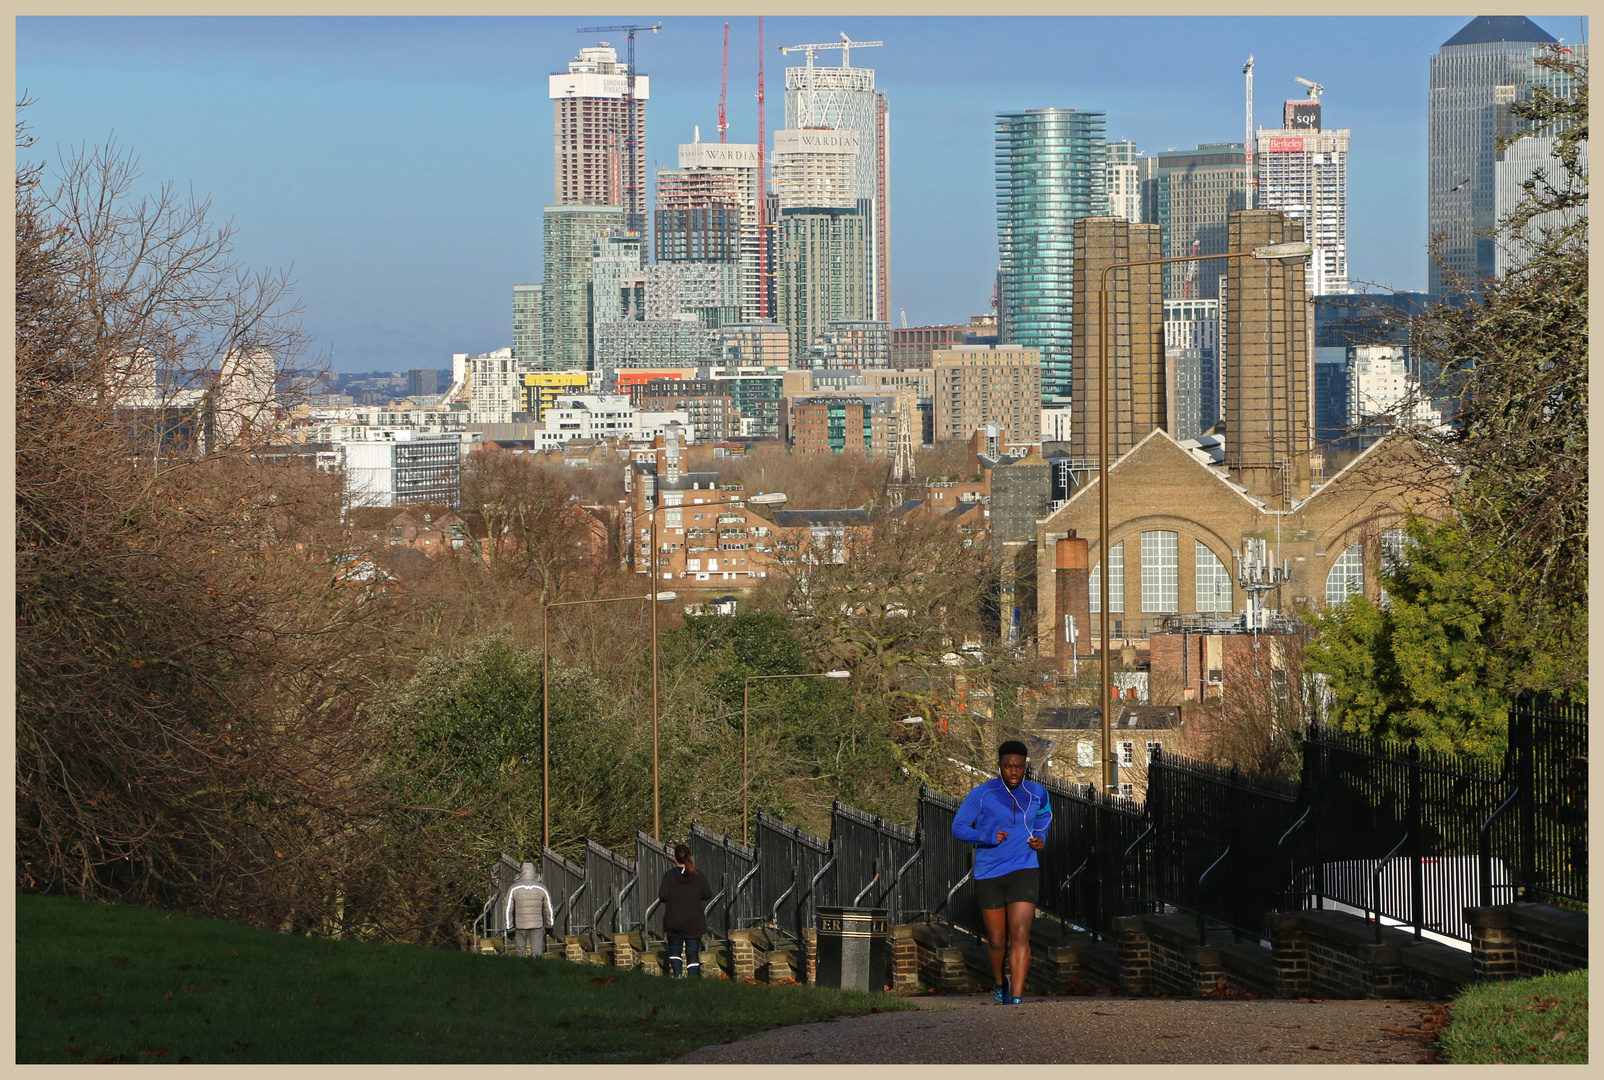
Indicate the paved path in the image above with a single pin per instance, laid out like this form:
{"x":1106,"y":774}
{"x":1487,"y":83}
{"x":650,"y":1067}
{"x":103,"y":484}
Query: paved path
{"x":963,"y":1029}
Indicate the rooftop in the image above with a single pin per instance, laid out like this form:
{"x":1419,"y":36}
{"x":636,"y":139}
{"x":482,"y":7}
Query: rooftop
{"x":1489,"y":29}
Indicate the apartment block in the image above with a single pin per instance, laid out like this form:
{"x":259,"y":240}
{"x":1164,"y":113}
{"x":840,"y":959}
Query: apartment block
{"x":974,"y":384}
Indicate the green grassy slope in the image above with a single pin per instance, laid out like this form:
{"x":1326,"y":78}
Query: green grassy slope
{"x":99,"y":982}
{"x":1533,"y":1021}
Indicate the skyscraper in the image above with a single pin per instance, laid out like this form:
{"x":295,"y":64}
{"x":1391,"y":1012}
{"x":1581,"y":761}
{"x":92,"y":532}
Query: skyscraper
{"x":1475,"y":76}
{"x":570,"y":235}
{"x":823,"y":231}
{"x":1189,"y":195}
{"x":1050,"y":171}
{"x":844,"y":99}
{"x":707,"y":211}
{"x":1126,"y":169}
{"x":527,"y":344}
{"x":591,"y":118}
{"x":1303,"y":172}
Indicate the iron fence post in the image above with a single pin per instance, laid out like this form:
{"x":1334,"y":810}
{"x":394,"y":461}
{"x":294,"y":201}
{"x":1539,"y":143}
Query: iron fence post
{"x":1412,"y":815}
{"x":1232,"y":827}
{"x":1524,"y":739}
{"x":1312,"y":786}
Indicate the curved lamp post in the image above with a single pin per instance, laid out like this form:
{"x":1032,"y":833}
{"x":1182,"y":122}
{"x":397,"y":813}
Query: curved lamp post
{"x":746,"y":709}
{"x":1299,"y":249}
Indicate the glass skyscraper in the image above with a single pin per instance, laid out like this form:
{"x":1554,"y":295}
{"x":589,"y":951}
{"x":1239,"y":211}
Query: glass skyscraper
{"x":1050,"y":171}
{"x":1475,"y":77}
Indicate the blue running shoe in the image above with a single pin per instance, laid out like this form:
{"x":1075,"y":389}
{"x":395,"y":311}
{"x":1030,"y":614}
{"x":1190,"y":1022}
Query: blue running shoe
{"x":998,"y":995}
{"x":1014,"y":1001}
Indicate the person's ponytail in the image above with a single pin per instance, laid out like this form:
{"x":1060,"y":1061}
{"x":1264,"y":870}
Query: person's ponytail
{"x":682,"y":855}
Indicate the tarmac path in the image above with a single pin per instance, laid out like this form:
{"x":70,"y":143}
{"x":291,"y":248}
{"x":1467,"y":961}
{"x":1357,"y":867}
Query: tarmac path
{"x":970,"y":1029}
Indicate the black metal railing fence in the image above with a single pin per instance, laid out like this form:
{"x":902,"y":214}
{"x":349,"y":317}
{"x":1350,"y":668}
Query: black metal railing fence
{"x":565,"y":884}
{"x":877,"y":861}
{"x":796,"y":874}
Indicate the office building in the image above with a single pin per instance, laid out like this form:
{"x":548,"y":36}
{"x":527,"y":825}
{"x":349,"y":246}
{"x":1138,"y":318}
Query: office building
{"x":404,"y":469}
{"x":1193,"y":327}
{"x":820,"y":252}
{"x":1188,"y":194}
{"x":1126,"y":171}
{"x":1475,"y":77}
{"x":593,"y":123}
{"x":526,"y":323}
{"x":1303,"y":172}
{"x":1264,"y":335}
{"x":844,"y":100}
{"x":1514,"y":166}
{"x":607,"y":416}
{"x":495,"y":387}
{"x":862,"y":343}
{"x":570,"y":238}
{"x":1050,"y":172}
{"x":1138,"y":400}
{"x":423,"y":381}
{"x":707,"y":212}
{"x":972,"y":385}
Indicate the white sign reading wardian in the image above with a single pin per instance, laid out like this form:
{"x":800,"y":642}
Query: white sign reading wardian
{"x":815,"y":141}
{"x":712,"y":155}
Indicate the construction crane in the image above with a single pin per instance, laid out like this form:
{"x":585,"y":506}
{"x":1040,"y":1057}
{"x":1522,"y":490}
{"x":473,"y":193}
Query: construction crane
{"x":724,"y":85}
{"x":904,"y":317}
{"x":1247,"y":143}
{"x":1315,"y":89}
{"x":634,"y":208}
{"x":846,"y":45}
{"x":762,"y":193}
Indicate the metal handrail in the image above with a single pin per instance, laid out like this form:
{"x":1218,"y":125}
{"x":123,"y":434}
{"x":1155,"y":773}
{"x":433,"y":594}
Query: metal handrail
{"x":802,"y":901}
{"x":595,"y":919}
{"x":618,"y":912}
{"x":774,"y":912}
{"x":568,"y":906}
{"x":740,"y":887}
{"x":875,"y":866}
{"x":950,"y":894}
{"x":1202,"y":878}
{"x":1063,"y":924}
{"x":1484,"y":849}
{"x":645,"y":923}
{"x":1375,"y":882}
{"x":1296,"y":825}
{"x":903,"y":869}
{"x":1134,"y":844}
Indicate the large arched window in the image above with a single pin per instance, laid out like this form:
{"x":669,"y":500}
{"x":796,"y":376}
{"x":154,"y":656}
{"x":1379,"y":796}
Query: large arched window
{"x":1347,"y":575}
{"x":1213,"y":580}
{"x":1116,"y":580}
{"x":1161,"y":569}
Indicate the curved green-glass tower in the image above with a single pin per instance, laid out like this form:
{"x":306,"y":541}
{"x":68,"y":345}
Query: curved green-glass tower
{"x":1050,"y":171}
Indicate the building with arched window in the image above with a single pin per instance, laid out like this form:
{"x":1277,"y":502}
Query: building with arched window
{"x":1177,"y":524}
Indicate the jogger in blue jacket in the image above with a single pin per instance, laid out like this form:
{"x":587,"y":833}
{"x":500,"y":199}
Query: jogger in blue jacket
{"x":1006,"y":818}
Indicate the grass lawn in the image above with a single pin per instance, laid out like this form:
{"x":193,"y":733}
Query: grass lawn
{"x":97,"y":982}
{"x":1530,"y":1021}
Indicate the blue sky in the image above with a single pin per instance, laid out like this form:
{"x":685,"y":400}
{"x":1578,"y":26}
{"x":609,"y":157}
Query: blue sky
{"x":400,"y":164}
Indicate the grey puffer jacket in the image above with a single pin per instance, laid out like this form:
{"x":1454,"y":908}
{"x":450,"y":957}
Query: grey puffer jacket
{"x":528,"y":903}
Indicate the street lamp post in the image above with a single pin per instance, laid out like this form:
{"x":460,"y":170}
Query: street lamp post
{"x":746,"y":708}
{"x":1294,"y":250}
{"x":545,"y":700}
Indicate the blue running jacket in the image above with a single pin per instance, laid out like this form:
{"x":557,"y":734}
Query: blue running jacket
{"x":1021,"y":813}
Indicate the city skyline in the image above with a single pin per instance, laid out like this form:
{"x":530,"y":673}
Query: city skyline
{"x":401,"y":165}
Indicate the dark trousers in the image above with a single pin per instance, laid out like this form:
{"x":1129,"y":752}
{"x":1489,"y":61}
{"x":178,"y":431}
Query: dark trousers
{"x":690,"y":966}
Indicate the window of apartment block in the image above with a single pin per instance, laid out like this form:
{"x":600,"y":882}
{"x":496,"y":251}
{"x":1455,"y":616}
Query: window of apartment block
{"x":1347,"y":575}
{"x":1116,"y":581}
{"x":1085,"y":753}
{"x":1213,"y":580}
{"x":1127,"y":753}
{"x":1160,"y":571}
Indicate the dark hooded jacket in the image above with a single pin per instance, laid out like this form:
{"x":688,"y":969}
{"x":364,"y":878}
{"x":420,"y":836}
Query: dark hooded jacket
{"x":683,"y":896}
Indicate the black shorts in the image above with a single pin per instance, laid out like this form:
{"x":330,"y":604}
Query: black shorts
{"x":1020,"y":886}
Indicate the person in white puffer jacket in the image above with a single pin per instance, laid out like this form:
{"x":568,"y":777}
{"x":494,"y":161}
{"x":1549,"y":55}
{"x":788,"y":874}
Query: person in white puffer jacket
{"x":528,"y":912}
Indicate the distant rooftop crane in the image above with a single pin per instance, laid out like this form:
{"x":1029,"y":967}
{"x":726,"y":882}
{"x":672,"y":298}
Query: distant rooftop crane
{"x":1315,"y":89}
{"x":846,"y":45}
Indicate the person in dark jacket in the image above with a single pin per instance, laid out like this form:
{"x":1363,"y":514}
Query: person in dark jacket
{"x":1006,"y":818}
{"x":684,"y":892}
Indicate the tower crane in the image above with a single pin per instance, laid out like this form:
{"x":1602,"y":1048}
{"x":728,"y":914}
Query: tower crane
{"x":634,"y":209}
{"x":1247,"y":142}
{"x":1315,"y":89}
{"x":724,"y":85}
{"x":846,"y":45}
